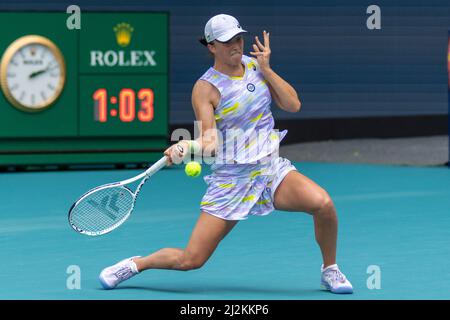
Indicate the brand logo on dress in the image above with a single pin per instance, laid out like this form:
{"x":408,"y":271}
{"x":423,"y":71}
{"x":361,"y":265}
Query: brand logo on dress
{"x":251,"y":87}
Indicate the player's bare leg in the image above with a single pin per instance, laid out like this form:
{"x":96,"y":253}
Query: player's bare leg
{"x":299,"y":193}
{"x":207,"y":234}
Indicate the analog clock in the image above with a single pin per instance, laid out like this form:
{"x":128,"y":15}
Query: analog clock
{"x":32,"y":73}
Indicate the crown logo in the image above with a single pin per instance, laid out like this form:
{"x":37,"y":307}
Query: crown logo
{"x":123,"y":33}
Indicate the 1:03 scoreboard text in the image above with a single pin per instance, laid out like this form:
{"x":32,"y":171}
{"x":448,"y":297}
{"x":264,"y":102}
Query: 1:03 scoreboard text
{"x":123,"y":107}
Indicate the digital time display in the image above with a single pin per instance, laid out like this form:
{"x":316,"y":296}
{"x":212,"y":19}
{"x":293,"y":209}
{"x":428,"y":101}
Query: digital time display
{"x":128,"y":106}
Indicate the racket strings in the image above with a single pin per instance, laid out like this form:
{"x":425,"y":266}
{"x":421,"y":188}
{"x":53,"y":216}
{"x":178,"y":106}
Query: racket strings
{"x":102,"y":209}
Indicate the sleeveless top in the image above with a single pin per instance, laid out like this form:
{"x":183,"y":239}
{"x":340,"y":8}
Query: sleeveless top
{"x":243,"y":117}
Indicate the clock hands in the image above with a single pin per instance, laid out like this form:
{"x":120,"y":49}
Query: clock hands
{"x":36,"y":73}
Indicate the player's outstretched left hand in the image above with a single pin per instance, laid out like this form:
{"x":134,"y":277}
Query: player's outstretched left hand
{"x":262,"y":52}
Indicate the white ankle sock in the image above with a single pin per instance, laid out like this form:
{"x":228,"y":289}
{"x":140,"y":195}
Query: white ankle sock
{"x":134,"y":267}
{"x":333,"y":266}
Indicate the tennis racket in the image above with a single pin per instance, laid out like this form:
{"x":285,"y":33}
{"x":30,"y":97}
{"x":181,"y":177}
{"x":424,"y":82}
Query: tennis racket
{"x":106,"y":207}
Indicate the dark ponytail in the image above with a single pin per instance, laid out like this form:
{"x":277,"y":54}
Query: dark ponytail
{"x":203,"y":41}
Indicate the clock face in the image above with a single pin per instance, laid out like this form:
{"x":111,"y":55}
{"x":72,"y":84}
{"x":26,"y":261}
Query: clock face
{"x":33,"y":73}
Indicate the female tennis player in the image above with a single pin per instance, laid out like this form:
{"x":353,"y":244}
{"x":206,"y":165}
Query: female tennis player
{"x":233,"y":98}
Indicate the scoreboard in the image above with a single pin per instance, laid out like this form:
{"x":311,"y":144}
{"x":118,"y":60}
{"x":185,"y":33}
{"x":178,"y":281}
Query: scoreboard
{"x":98,"y":94}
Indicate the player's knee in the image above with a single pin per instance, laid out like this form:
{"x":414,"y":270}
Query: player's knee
{"x":191,"y":262}
{"x":192,"y":265}
{"x":325,"y":207}
{"x":196,"y":264}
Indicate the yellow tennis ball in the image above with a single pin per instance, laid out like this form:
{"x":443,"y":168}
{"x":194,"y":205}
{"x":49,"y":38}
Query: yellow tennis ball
{"x":193,"y":169}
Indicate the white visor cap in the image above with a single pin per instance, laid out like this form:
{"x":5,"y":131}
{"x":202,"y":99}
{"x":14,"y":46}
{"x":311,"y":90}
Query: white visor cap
{"x":222,"y":27}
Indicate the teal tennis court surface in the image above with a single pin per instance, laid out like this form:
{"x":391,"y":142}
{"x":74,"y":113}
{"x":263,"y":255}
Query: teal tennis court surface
{"x":392,"y":217}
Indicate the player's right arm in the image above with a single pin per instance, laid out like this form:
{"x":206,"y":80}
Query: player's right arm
{"x":204,"y":98}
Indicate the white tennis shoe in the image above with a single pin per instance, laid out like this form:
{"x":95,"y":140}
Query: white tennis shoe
{"x":334,"y":280}
{"x":111,"y":276}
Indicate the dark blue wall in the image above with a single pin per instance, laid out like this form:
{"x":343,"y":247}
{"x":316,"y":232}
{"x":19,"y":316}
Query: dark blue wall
{"x":339,"y":67}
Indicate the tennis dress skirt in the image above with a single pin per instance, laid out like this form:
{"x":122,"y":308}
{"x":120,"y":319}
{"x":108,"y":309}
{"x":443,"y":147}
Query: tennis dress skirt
{"x":236,"y":191}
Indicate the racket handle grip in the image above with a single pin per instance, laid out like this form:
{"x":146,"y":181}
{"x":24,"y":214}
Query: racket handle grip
{"x":161,"y":163}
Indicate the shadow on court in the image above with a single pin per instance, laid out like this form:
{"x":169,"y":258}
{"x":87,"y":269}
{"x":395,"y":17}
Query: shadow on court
{"x":223,"y":289}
